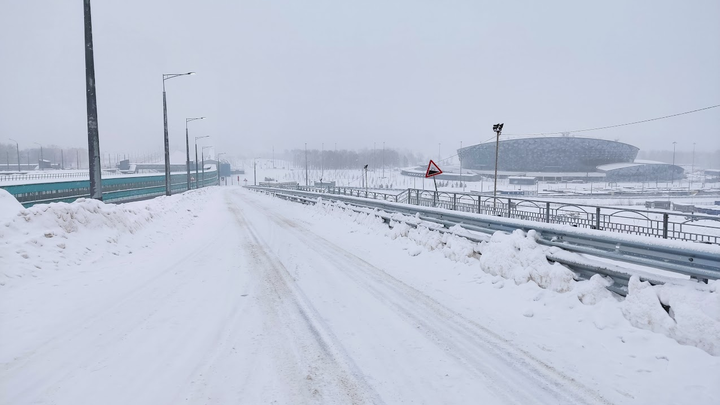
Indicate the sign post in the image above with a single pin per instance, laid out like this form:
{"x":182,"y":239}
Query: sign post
{"x":432,"y":171}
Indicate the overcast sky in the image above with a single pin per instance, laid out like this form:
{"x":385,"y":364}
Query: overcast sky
{"x":411,"y":73}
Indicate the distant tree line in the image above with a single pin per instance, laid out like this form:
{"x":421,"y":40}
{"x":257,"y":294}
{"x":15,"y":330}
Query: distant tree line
{"x":64,"y":158}
{"x":350,"y":159}
{"x":68,"y":158}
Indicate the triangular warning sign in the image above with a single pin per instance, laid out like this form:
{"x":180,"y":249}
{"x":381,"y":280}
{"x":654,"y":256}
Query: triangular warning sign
{"x":432,"y":170}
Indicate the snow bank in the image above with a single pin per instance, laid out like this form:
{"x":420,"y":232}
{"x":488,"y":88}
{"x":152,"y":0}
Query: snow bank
{"x":62,"y":235}
{"x":693,"y":316}
{"x":9,"y":206}
{"x":518,"y":257}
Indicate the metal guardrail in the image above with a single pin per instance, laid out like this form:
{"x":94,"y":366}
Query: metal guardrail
{"x":700,"y":262}
{"x":656,"y":223}
{"x":121,"y":191}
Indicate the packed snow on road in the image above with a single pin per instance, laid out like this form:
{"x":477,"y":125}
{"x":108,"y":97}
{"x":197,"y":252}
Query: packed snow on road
{"x":224,"y":295}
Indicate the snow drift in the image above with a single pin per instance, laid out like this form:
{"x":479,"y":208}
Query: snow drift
{"x":689,"y":314}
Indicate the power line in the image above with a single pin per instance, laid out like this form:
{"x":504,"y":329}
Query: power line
{"x":620,"y":125}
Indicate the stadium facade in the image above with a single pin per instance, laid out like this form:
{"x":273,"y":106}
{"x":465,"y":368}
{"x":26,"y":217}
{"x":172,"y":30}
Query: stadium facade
{"x":566,"y":157}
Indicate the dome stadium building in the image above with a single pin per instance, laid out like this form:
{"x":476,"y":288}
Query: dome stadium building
{"x":555,"y":158}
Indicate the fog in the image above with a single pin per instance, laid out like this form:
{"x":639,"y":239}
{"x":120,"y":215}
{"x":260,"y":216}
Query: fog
{"x":418,"y":75}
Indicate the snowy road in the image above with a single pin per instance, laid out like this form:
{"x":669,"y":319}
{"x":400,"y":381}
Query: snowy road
{"x":251,"y":305}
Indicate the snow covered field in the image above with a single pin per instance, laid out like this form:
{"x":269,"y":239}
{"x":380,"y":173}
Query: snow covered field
{"x":223,"y":295}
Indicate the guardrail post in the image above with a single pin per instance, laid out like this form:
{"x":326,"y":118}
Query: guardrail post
{"x":479,"y":205}
{"x":597,"y":218}
{"x":547,"y":212}
{"x":509,"y":207}
{"x":454,"y":202}
{"x":665,"y":225}
{"x":417,"y":197}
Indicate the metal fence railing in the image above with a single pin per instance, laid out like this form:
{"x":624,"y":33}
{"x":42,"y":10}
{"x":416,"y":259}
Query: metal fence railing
{"x":664,"y":224}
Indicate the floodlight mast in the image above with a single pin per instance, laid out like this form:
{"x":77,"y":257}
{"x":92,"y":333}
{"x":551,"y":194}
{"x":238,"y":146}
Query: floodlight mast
{"x":498,"y":129}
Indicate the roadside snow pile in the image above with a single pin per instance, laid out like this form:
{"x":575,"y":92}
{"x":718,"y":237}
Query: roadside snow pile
{"x":9,"y":206}
{"x":451,"y":244}
{"x":692,"y":318}
{"x":518,"y":257}
{"x":60,"y":235}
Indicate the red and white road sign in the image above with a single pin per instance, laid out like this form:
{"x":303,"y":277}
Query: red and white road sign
{"x":432,"y":170}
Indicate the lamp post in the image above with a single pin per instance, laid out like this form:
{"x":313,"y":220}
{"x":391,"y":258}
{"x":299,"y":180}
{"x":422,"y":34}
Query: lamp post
{"x":498,"y":129}
{"x":168,"y":76}
{"x":217,"y":157}
{"x":187,"y":148}
{"x":17,"y":148}
{"x":672,"y":169}
{"x":196,"y":159}
{"x":202,"y":152}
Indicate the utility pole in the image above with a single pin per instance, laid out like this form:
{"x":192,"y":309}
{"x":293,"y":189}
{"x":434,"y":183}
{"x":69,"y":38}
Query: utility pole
{"x":322,"y":161}
{"x":498,"y":129}
{"x":383,"y":161}
{"x":672,"y":169}
{"x":92,"y":122}
{"x":17,"y":149}
{"x":460,"y":158}
{"x":306,"y":167}
{"x":692,"y":168}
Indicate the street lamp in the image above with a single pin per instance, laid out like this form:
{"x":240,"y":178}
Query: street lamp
{"x":17,"y":148}
{"x":202,"y":152}
{"x":168,"y":76}
{"x":498,"y":129}
{"x":196,"y":159}
{"x":187,"y":148}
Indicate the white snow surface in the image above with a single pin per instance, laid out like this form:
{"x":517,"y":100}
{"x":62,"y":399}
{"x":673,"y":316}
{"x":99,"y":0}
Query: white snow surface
{"x":223,"y":295}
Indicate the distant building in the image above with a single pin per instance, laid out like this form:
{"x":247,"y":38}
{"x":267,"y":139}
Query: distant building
{"x":566,"y":158}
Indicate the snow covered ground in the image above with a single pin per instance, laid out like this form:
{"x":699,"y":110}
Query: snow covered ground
{"x":223,"y":295}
